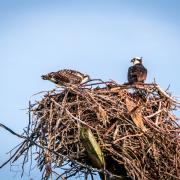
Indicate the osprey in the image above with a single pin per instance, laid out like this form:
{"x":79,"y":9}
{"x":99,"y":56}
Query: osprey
{"x":66,"y":76}
{"x":137,"y":73}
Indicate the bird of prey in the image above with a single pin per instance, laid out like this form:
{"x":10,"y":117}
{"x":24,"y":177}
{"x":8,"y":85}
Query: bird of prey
{"x":66,"y":76}
{"x":137,"y":73}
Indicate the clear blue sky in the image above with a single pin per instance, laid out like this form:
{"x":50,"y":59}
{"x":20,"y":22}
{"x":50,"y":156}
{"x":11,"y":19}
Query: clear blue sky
{"x":98,"y":37}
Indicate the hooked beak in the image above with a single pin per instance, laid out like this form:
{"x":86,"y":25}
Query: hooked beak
{"x":132,"y":60}
{"x":44,"y":77}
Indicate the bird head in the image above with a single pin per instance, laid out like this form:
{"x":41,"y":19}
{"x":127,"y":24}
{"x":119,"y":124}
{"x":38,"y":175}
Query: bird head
{"x":137,"y":60}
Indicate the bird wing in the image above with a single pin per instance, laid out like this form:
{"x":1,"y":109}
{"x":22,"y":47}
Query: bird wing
{"x":70,"y":76}
{"x":142,"y":73}
{"x":137,"y":73}
{"x":60,"y":76}
{"x":131,"y":74}
{"x":73,"y":72}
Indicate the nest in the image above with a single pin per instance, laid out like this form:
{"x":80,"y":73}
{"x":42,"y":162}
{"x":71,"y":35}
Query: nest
{"x":134,"y":126}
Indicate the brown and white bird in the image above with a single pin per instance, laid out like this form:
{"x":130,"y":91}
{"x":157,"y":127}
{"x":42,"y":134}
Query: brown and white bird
{"x":137,"y":73}
{"x":66,"y":76}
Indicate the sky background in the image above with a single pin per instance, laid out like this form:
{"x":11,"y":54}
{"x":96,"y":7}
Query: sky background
{"x":95,"y":37}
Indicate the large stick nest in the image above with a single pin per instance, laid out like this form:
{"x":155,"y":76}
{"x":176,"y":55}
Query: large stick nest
{"x":133,"y":124}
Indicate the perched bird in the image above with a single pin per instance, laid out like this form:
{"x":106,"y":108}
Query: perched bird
{"x":137,"y":73}
{"x":66,"y":76}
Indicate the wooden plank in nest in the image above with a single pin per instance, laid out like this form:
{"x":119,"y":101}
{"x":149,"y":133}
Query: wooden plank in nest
{"x":135,"y":113}
{"x":92,"y":147}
